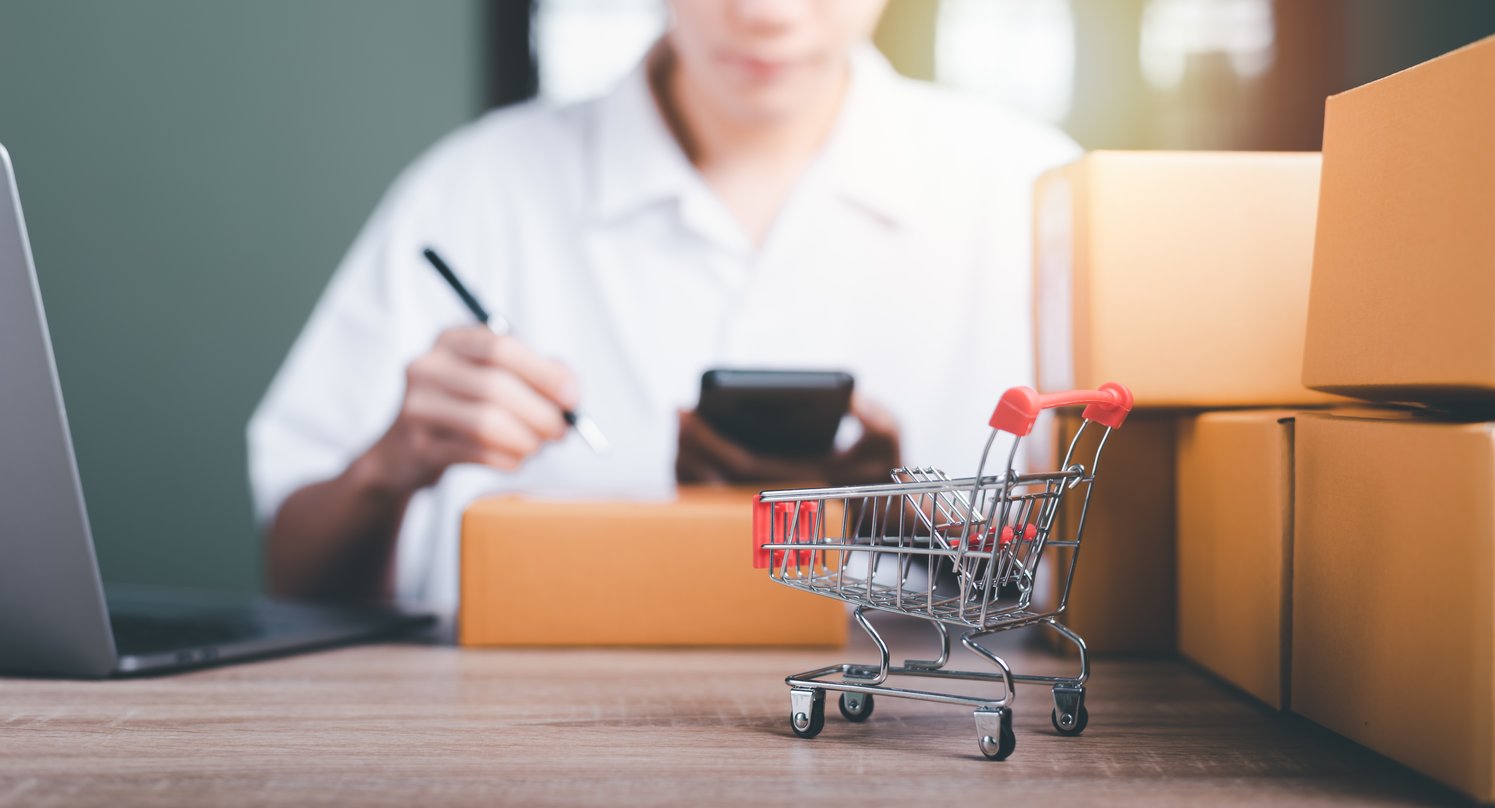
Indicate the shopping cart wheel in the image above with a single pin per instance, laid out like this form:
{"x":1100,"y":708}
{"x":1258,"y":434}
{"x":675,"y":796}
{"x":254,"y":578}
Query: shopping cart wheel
{"x":994,"y":733}
{"x":856,"y":707}
{"x":806,"y":712}
{"x":1069,"y":716}
{"x":1076,"y":723}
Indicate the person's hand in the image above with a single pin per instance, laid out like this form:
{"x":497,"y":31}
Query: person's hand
{"x":705,"y":456}
{"x":475,"y":397}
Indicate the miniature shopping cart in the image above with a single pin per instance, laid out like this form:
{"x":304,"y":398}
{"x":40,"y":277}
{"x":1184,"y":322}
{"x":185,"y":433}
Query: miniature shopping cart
{"x":962,"y":553}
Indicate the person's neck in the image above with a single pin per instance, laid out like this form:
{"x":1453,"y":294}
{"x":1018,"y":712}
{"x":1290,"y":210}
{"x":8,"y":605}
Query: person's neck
{"x":709,"y":136}
{"x":751,"y":165}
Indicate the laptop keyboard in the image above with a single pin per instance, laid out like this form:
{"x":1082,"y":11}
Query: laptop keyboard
{"x":139,"y":634}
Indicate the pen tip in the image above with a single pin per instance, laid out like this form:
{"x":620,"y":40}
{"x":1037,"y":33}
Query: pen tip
{"x":591,"y":434}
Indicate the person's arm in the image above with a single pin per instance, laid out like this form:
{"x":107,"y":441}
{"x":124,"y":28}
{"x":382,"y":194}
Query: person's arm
{"x":473,"y":398}
{"x":334,"y":540}
{"x":706,"y":456}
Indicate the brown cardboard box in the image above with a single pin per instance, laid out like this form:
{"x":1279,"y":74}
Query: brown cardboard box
{"x":1122,"y":599}
{"x":537,"y":572}
{"x":1394,"y":590}
{"x":1183,"y":275}
{"x":1404,"y":267}
{"x":1235,"y":516}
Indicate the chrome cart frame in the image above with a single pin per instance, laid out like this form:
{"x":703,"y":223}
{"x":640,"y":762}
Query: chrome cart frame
{"x":871,"y":545}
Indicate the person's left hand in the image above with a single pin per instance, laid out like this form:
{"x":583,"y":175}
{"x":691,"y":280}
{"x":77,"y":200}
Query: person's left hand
{"x":705,"y":456}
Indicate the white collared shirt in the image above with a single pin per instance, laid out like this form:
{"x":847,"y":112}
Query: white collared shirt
{"x":902,"y":256}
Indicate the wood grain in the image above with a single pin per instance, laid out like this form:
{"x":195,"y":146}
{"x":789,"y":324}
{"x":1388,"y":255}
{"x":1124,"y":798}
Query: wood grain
{"x":409,"y":724}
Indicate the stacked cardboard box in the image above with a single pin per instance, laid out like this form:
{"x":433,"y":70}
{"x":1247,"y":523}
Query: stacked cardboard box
{"x":1235,"y":538}
{"x":1185,"y":277}
{"x":1401,"y":304}
{"x":1394,"y":545}
{"x":1393,"y":598}
{"x":538,"y":572}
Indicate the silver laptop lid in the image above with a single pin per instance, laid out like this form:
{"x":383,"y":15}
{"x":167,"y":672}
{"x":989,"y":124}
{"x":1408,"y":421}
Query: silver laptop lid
{"x":52,"y":613}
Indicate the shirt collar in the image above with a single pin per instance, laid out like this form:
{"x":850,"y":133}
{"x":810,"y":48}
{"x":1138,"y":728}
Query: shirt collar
{"x":637,"y":159}
{"x":867,"y":156}
{"x":871,"y":154}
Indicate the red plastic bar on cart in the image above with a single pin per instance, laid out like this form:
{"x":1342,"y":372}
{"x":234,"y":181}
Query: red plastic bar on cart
{"x":982,"y":541}
{"x":773,"y":523}
{"x":1019,"y":407}
{"x":762,"y":530}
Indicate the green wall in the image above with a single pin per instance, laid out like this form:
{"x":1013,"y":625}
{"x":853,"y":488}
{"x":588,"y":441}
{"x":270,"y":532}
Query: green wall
{"x":192,"y":171}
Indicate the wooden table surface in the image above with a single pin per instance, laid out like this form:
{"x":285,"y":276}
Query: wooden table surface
{"x":402,"y":724}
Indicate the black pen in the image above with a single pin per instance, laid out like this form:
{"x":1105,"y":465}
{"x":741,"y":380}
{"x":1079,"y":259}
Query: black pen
{"x":500,"y":325}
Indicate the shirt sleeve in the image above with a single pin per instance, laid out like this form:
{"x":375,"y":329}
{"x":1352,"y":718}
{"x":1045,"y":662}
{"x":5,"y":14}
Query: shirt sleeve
{"x":1046,"y":149}
{"x":323,"y":405}
{"x":1007,"y":248}
{"x":342,"y":383}
{"x":1004,"y":257}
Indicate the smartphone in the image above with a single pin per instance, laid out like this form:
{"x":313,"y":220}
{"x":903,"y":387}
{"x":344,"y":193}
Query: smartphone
{"x":778,"y":413}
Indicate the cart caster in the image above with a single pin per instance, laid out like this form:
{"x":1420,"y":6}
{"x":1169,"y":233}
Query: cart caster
{"x":856,"y":707}
{"x":1076,"y":723}
{"x":1069,"y":716}
{"x":994,"y":733}
{"x":806,"y":712}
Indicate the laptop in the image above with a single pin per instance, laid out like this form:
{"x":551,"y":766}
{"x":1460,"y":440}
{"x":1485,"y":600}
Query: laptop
{"x":56,"y":616}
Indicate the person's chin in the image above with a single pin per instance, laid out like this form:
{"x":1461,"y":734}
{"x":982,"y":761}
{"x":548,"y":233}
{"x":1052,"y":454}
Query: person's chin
{"x":766,"y":105}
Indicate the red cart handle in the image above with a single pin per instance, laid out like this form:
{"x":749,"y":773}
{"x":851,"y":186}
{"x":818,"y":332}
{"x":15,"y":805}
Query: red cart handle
{"x":1019,"y":406}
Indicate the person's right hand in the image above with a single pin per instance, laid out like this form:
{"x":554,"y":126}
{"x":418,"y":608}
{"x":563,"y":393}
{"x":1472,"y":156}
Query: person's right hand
{"x":475,"y":397}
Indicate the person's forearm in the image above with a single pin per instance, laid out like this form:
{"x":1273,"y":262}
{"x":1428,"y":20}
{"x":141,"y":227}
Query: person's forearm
{"x":335,"y":540}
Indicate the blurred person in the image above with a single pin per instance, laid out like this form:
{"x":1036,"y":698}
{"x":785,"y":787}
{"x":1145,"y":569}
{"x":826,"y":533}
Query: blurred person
{"x":761,"y":191}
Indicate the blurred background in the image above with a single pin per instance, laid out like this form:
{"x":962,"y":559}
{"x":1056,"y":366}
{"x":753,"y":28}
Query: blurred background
{"x":192,"y":171}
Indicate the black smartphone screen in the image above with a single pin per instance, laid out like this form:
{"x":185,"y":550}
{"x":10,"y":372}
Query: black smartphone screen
{"x":779,"y":413}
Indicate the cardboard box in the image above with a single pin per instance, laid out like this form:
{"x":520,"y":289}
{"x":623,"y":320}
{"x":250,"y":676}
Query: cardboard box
{"x":1122,"y":598}
{"x":1404,"y":267}
{"x":545,"y":572}
{"x":1183,"y":275}
{"x":1394,"y":590}
{"x":1235,"y":536}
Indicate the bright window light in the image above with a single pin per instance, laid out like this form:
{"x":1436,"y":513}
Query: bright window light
{"x":583,"y":47}
{"x":1175,"y":30}
{"x":1018,"y":52}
